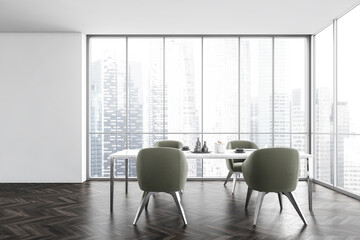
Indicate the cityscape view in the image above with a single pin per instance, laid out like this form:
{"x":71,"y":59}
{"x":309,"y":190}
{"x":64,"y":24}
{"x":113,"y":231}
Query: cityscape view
{"x":143,"y":90}
{"x":337,"y":130}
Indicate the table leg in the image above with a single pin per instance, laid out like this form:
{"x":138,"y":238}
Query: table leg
{"x":126,"y":174}
{"x":310,"y":183}
{"x":112,"y":160}
{"x":310,"y":192}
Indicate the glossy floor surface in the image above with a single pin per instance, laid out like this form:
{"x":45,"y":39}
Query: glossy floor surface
{"x":81,"y":211}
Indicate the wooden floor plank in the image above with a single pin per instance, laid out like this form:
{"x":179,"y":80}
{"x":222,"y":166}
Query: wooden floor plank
{"x":81,"y":211}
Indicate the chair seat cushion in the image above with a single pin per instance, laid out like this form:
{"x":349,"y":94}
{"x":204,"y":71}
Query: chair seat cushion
{"x":237,"y":167}
{"x":238,"y":160}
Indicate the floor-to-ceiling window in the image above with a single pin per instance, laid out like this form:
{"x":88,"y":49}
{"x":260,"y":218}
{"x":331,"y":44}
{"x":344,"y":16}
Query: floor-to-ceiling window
{"x":348,"y":99}
{"x":220,"y":97}
{"x":107,"y":103}
{"x":256,"y":90}
{"x":336,"y":105}
{"x":183,"y":88}
{"x":290,"y":81}
{"x":143,"y":89}
{"x":323,"y":106}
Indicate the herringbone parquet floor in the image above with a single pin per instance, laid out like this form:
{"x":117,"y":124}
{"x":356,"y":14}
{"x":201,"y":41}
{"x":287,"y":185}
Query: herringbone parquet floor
{"x":81,"y":211}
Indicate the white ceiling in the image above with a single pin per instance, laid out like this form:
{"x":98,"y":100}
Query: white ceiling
{"x":170,"y":16}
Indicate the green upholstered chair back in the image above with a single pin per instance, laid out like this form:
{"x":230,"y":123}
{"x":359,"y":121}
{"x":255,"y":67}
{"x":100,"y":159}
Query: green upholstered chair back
{"x":272,"y":170}
{"x":169,"y":143}
{"x":241,"y":144}
{"x":238,"y":144}
{"x":161,"y":169}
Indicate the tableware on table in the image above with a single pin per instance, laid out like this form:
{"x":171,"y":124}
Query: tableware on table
{"x":219,"y":147}
{"x":239,"y":150}
{"x":200,"y":152}
{"x":204,"y":148}
{"x":197,"y":146}
{"x":185,"y":148}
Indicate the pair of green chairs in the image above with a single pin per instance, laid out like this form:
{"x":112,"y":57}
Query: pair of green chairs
{"x":164,"y":169}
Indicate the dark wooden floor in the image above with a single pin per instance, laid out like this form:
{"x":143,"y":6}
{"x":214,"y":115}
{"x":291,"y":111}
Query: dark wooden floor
{"x":81,"y":211}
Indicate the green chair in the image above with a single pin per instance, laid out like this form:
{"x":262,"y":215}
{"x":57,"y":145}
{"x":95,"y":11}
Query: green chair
{"x":234,"y":165}
{"x":272,"y":170}
{"x":161,"y":169}
{"x":169,"y":143}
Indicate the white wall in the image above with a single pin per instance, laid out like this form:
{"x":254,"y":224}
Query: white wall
{"x":42,"y":105}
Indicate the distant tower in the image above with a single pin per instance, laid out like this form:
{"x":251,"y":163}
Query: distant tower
{"x":324,"y":121}
{"x":182,"y":90}
{"x":96,"y":125}
{"x":343,"y":127}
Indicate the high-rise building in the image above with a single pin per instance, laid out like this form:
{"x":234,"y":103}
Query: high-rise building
{"x":187,"y":114}
{"x":96,"y":125}
{"x":342,"y":149}
{"x":107,"y":116}
{"x":324,"y":153}
{"x":135,"y":123}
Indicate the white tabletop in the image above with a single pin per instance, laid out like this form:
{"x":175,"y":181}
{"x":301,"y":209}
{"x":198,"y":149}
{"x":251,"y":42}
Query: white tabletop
{"x":132,"y":153}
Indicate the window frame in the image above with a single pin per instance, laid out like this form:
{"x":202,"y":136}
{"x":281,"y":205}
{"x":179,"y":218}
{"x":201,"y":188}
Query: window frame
{"x":335,"y":134}
{"x":239,"y":132}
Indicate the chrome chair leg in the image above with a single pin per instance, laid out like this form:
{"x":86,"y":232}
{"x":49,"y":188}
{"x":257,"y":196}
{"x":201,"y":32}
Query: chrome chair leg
{"x":260,"y":199}
{"x":228,"y":177}
{"x":176,"y":196}
{"x":292,"y":199}
{"x":147,"y":204}
{"x":144,"y":200}
{"x":248,"y":196}
{"x":234,"y":182}
{"x":280,"y":200}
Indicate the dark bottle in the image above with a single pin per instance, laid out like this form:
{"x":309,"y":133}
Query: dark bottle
{"x":205,"y":148}
{"x":198,"y":146}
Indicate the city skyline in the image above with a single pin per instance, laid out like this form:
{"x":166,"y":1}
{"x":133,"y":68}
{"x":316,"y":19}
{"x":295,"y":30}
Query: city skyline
{"x":147,"y":92}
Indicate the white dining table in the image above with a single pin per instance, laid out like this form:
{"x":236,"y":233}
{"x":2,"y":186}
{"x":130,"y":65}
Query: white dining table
{"x":126,"y":154}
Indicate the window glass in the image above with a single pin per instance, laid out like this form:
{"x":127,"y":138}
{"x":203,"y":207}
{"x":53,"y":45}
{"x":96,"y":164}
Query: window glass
{"x":183,"y":85}
{"x":182,"y":88}
{"x":289,"y":85}
{"x":220,"y":84}
{"x":107,"y":102}
{"x":348,"y":114}
{"x":323,"y":104}
{"x":146,"y":92}
{"x":256,"y":87}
